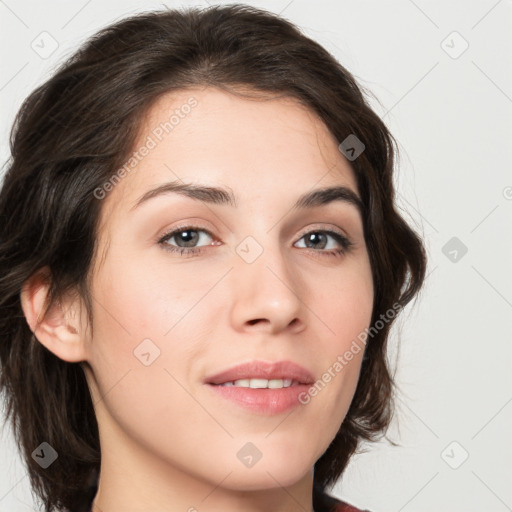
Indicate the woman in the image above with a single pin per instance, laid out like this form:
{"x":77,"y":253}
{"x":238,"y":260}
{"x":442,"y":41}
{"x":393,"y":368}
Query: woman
{"x":200,"y":263}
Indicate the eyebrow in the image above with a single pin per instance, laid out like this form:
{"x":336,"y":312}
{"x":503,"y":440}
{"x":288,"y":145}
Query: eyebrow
{"x":223,"y":196}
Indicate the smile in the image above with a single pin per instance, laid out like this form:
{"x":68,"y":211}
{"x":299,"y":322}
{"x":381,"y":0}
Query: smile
{"x":261,"y":383}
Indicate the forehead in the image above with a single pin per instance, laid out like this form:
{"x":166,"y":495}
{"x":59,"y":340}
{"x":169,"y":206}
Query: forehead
{"x":272,"y":146}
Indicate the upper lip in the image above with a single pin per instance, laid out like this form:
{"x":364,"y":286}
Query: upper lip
{"x":263,"y":370}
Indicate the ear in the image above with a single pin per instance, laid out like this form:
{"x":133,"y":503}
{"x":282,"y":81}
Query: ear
{"x":58,"y":328}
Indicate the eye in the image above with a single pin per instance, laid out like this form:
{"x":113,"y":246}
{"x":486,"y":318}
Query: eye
{"x":319,"y":239}
{"x":184,"y":240}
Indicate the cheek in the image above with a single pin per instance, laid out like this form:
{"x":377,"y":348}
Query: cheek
{"x":142,"y":319}
{"x":344,"y":304}
{"x":148,"y":318}
{"x":144,"y":299}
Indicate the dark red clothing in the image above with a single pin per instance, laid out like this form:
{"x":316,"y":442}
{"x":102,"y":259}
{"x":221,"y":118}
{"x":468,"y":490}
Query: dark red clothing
{"x":325,"y":503}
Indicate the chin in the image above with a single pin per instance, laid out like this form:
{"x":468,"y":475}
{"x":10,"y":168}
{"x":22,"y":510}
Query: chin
{"x":272,"y":470}
{"x":260,"y":480}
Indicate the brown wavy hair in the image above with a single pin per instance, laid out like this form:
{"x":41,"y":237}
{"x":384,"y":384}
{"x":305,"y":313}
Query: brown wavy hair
{"x":74,"y":131}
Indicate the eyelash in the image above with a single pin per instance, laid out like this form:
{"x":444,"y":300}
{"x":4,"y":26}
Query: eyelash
{"x":188,"y":252}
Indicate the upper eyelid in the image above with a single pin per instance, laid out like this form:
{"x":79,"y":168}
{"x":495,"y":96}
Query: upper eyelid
{"x":184,"y":227}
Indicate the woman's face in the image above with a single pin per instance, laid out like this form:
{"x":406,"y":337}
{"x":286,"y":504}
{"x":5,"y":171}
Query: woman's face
{"x":259,"y":280}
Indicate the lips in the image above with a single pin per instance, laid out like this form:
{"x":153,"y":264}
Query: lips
{"x":263,"y":370}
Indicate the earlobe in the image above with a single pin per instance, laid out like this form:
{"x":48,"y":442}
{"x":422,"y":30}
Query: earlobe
{"x":57,"y":331}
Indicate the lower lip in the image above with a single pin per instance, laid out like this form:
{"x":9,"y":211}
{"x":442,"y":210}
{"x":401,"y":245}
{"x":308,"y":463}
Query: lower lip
{"x":263,"y":400}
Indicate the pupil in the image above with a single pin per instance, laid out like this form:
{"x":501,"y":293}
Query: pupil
{"x":188,"y":236}
{"x":312,"y":236}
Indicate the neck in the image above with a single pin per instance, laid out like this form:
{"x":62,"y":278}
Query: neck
{"x":134,"y":478}
{"x":121,"y":492}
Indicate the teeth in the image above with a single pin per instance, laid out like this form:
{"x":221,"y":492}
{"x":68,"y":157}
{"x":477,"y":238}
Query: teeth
{"x":261,"y":383}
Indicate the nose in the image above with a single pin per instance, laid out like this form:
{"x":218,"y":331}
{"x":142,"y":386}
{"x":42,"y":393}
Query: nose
{"x":267,"y":294}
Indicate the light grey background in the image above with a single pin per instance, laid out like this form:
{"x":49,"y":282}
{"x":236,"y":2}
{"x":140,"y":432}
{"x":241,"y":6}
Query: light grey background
{"x":451,"y":111}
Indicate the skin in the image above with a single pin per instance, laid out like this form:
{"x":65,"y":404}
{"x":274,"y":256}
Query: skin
{"x":167,"y":441}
